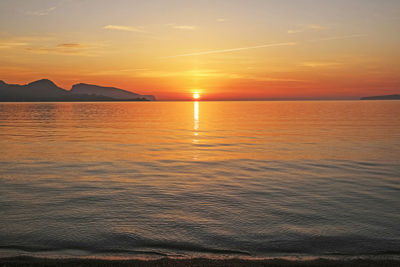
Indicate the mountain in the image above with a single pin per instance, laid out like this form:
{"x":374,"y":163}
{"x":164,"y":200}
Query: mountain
{"x":35,"y":91}
{"x":113,"y":92}
{"x":382,"y":97}
{"x":46,"y":90}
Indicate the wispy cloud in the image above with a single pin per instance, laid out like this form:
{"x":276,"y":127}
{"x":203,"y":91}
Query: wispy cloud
{"x":174,"y":25}
{"x":67,"y":49}
{"x":319,"y":64}
{"x":48,"y":44}
{"x":232,"y":49}
{"x":273,"y":79}
{"x":198,"y":73}
{"x":16,"y":42}
{"x":185,"y":27}
{"x":340,"y":37}
{"x":221,"y":20}
{"x":70,"y":45}
{"x":6,"y":45}
{"x":309,"y":27}
{"x":129,"y":72}
{"x":123,"y":28}
{"x":43,"y":12}
{"x":202,"y":73}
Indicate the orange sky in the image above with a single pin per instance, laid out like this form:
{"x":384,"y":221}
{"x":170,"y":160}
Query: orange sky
{"x":232,"y":49}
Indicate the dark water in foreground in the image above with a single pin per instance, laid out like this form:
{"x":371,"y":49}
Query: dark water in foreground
{"x":200,"y":179}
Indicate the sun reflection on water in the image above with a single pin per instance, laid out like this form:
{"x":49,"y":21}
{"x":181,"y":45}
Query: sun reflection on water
{"x":195,"y":121}
{"x":196,"y":115}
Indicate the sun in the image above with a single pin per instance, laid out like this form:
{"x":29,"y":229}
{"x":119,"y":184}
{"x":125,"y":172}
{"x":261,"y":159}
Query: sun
{"x":196,"y":96}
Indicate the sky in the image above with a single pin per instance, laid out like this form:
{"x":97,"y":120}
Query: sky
{"x":220,"y":49}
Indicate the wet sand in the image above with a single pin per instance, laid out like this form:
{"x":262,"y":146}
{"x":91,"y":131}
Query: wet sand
{"x":196,"y":262}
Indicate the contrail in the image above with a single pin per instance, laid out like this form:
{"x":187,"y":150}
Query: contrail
{"x":266,"y":45}
{"x":338,"y":37}
{"x":231,"y":49}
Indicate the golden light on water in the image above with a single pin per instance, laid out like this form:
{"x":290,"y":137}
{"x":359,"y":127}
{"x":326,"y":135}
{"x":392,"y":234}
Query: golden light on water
{"x":196,"y":115}
{"x":195,"y":126}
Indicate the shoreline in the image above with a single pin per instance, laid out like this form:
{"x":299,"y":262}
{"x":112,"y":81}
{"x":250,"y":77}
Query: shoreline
{"x":194,"y":262}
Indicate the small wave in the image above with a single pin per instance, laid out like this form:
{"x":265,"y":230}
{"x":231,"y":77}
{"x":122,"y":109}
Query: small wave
{"x":193,"y":248}
{"x":163,"y":247}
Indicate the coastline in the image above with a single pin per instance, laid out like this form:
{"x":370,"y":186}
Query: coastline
{"x":195,"y":262}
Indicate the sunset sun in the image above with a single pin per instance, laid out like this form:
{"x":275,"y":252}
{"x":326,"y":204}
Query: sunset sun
{"x":196,"y":96}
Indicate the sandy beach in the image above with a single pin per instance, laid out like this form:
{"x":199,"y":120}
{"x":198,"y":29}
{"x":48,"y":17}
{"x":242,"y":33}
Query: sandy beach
{"x":196,"y":262}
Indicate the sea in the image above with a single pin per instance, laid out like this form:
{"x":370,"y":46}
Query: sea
{"x":200,"y":179}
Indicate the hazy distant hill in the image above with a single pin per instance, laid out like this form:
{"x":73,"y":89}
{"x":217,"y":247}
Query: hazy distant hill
{"x":382,"y":97}
{"x":46,"y":90}
{"x":113,"y":92}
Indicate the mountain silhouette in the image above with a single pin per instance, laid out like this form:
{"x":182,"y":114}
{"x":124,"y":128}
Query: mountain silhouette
{"x":46,"y":90}
{"x":382,"y":97}
{"x":89,"y":89}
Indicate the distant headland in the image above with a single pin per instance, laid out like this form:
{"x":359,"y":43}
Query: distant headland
{"x":382,"y":97}
{"x":47,"y":91}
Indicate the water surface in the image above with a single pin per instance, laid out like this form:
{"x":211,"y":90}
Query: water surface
{"x":251,"y":179}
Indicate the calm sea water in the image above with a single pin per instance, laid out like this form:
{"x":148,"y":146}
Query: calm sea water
{"x":209,"y":178}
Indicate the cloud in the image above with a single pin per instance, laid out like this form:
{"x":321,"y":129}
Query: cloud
{"x":309,"y":27}
{"x":117,"y":72}
{"x":272,"y":79}
{"x":67,"y":49}
{"x":16,"y":42}
{"x":202,"y":74}
{"x":71,"y":45}
{"x":123,"y":28}
{"x":232,"y":49}
{"x":5,"y":45}
{"x":50,"y":45}
{"x":341,"y":37}
{"x":198,"y":73}
{"x":43,"y":12}
{"x":319,"y":64}
{"x":221,"y":20}
{"x":49,"y":50}
{"x":181,"y":27}
{"x":185,"y":27}
{"x":53,"y":50}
